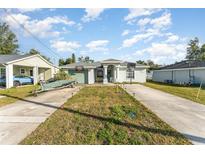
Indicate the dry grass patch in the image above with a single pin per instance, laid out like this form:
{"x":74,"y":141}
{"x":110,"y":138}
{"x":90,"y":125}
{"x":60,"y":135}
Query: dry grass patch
{"x":13,"y":94}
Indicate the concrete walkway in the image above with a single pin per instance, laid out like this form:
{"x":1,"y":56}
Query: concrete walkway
{"x":185,"y":116}
{"x":19,"y":119}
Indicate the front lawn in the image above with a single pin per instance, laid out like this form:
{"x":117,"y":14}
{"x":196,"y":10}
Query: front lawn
{"x":13,"y":94}
{"x":182,"y":91}
{"x":104,"y":115}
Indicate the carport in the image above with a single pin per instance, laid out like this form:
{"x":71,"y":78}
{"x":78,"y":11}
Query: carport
{"x":33,"y":66}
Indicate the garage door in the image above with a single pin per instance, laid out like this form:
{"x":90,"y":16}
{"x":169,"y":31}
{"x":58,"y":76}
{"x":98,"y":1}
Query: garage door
{"x":80,"y":76}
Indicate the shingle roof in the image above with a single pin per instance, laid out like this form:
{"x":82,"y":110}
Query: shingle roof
{"x":86,"y":65}
{"x":8,"y":58}
{"x":136,"y":64}
{"x":185,"y":64}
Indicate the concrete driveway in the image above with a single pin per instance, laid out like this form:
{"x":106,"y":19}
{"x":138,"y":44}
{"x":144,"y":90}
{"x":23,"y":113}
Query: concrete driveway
{"x":19,"y":119}
{"x":185,"y":116}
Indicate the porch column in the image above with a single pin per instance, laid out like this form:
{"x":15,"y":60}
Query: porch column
{"x":52,"y":72}
{"x":117,"y":74}
{"x":35,"y":75}
{"x":114,"y":74}
{"x":9,"y":76}
{"x":105,"y":75}
{"x":91,"y":76}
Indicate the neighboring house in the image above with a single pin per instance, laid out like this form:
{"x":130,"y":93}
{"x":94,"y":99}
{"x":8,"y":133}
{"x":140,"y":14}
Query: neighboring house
{"x":185,"y":72}
{"x":149,"y":74}
{"x":34,"y":66}
{"x":110,"y":70}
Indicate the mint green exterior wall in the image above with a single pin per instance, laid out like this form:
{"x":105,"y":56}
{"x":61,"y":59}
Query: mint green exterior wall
{"x":81,"y":77}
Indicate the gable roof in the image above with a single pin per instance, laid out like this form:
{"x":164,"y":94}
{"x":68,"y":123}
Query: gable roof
{"x":111,"y":61}
{"x":185,"y":64}
{"x":8,"y":58}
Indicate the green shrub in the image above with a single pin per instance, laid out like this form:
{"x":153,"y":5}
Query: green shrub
{"x":61,"y":75}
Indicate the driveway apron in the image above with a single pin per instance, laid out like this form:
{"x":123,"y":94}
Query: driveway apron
{"x":19,"y":119}
{"x":184,"y":115}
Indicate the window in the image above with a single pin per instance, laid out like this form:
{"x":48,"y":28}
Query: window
{"x":130,"y":74}
{"x":31,"y":72}
{"x":2,"y":72}
{"x":22,"y":71}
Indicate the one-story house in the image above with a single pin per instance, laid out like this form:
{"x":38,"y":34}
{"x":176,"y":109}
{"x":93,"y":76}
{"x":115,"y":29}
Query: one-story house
{"x":185,"y":72}
{"x":109,"y":70}
{"x":34,"y":66}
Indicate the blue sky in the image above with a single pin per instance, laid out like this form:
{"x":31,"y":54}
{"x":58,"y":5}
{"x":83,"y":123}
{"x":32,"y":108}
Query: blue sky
{"x":128,"y":34}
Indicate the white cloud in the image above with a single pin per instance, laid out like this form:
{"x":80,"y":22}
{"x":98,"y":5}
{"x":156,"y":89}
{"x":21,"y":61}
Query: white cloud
{"x":98,"y":45}
{"x":157,"y":27}
{"x":41,"y":28}
{"x":125,"y":32}
{"x":24,"y":10}
{"x":143,"y":22}
{"x":92,"y":14}
{"x":139,"y":37}
{"x":163,"y":53}
{"x":22,"y":19}
{"x":137,"y":12}
{"x":63,"y":46}
{"x":172,"y":38}
{"x":160,"y":22}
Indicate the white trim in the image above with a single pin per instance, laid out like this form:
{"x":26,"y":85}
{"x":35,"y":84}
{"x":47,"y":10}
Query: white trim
{"x":9,"y":76}
{"x":192,"y":68}
{"x":31,"y":56}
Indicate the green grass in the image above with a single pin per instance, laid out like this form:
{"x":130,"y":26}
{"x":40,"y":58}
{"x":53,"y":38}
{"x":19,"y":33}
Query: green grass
{"x":13,"y":94}
{"x":104,"y":115}
{"x":182,"y":91}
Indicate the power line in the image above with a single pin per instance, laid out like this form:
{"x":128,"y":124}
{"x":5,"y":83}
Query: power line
{"x":35,"y":37}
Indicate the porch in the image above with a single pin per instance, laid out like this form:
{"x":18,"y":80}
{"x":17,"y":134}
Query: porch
{"x":8,"y":73}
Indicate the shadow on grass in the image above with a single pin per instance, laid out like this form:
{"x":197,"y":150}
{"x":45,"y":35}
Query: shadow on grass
{"x":115,"y":121}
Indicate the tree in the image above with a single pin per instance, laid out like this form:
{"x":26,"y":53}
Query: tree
{"x":8,"y":40}
{"x":68,"y":61}
{"x":193,"y":50}
{"x":85,"y":59}
{"x":150,"y":63}
{"x":34,"y":51}
{"x":73,"y":58}
{"x":61,"y":62}
{"x":202,"y":57}
{"x":141,"y":62}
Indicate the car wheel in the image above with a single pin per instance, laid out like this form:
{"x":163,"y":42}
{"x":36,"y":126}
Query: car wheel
{"x":16,"y":83}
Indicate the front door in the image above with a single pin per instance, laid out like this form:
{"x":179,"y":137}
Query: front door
{"x":110,"y":73}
